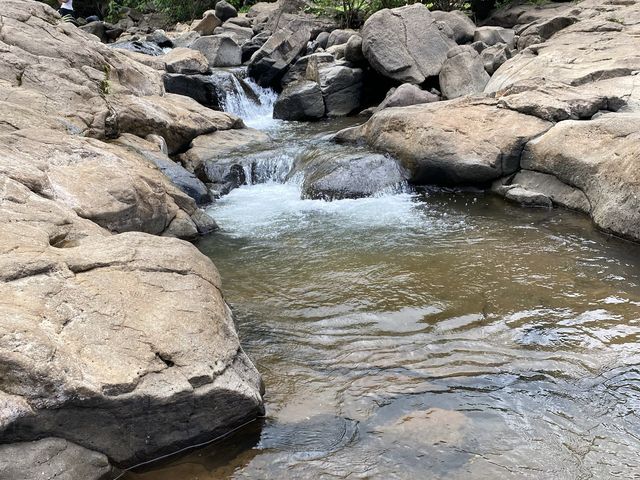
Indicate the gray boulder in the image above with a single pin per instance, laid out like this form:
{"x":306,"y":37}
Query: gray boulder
{"x":238,"y":33}
{"x":412,"y":57}
{"x":479,"y":46}
{"x":298,"y":70}
{"x":339,"y":37}
{"x":186,"y":39}
{"x":160,"y":38}
{"x":220,"y":50}
{"x":225,"y":11}
{"x":179,"y":176}
{"x":555,"y":101}
{"x":495,"y":35}
{"x":463,"y":73}
{"x":341,"y":87}
{"x":271,"y":61}
{"x":600,"y":158}
{"x":300,"y":100}
{"x":353,"y":50}
{"x":331,"y":176}
{"x":202,"y":88}
{"x":103,"y":30}
{"x":322,"y":39}
{"x":494,"y":56}
{"x":186,"y":61}
{"x":462,"y":26}
{"x":456,"y":142}
{"x":240,"y":21}
{"x":252,"y":46}
{"x":406,"y":95}
{"x":52,"y":458}
{"x":558,"y":192}
{"x":208,"y":24}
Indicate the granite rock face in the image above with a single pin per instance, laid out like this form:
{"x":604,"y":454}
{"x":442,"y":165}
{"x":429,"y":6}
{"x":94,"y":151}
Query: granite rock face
{"x":115,"y":340}
{"x":410,"y":57}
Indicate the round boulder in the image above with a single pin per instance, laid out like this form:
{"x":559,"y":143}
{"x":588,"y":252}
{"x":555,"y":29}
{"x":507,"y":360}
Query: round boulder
{"x":225,"y":11}
{"x":412,"y":57}
{"x":353,"y":50}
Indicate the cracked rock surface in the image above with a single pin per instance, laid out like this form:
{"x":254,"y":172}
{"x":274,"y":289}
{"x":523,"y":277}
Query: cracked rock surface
{"x":114,"y":343}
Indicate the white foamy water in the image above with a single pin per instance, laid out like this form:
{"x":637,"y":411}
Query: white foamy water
{"x":256,"y":110}
{"x":270,"y":209}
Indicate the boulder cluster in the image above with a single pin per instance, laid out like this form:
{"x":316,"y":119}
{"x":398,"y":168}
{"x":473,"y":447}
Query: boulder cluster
{"x":551,"y":119}
{"x":116,"y":343}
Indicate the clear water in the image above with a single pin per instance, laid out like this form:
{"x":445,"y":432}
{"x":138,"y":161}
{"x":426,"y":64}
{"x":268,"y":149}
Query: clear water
{"x":434,"y":335}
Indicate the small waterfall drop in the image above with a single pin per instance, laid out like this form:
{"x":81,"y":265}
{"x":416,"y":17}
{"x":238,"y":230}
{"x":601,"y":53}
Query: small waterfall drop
{"x":242,"y":96}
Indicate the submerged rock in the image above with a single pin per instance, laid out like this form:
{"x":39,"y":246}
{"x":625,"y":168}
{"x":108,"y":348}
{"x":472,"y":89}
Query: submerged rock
{"x":357,"y":175}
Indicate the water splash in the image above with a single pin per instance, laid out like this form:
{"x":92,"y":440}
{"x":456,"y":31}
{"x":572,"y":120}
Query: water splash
{"x":243,"y":97}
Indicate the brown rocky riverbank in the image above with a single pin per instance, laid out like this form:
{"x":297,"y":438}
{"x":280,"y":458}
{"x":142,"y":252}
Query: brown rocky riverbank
{"x":115,"y":336}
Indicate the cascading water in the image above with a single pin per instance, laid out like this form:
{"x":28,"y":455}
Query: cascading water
{"x":243,"y":97}
{"x":415,"y":336}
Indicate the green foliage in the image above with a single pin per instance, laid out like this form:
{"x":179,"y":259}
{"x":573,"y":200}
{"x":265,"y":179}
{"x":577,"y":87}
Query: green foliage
{"x":105,"y":85}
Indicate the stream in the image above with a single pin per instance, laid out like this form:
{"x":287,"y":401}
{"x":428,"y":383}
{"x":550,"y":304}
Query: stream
{"x":420,"y":334}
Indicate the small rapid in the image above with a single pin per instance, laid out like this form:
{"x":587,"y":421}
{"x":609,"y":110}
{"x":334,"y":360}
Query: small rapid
{"x":242,"y":96}
{"x":424,"y":334}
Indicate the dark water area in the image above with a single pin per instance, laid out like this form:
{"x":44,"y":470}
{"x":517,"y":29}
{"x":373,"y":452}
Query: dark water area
{"x":425,"y":335}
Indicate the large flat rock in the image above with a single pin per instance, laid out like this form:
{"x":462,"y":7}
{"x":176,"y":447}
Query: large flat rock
{"x":458,"y":142}
{"x":600,"y":157}
{"x":603,"y":44}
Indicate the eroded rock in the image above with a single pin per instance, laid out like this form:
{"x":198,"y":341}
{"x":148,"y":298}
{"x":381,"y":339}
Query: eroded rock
{"x":457,"y":142}
{"x":600,"y":157}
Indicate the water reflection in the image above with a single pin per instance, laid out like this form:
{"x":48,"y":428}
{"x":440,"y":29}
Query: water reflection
{"x":460,"y":337}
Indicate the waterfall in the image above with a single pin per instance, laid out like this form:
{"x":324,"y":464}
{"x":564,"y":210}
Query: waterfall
{"x":243,"y":97}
